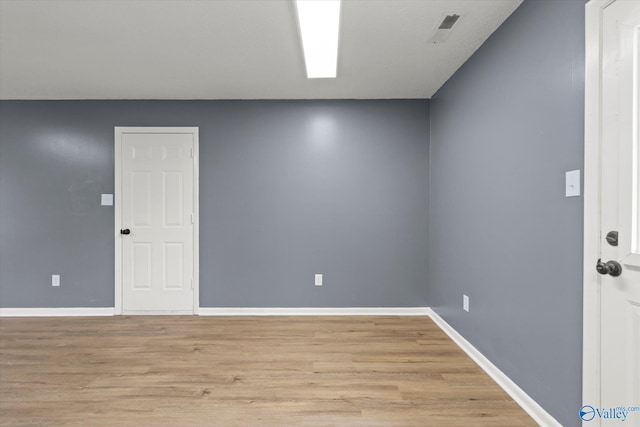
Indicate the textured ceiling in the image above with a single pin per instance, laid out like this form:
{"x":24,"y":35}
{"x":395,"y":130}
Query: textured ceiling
{"x":230,"y":49}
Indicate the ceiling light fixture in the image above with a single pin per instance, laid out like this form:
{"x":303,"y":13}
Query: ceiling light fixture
{"x":319,"y":22}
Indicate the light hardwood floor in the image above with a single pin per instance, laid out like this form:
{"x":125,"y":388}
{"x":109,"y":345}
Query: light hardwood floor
{"x":242,"y":371}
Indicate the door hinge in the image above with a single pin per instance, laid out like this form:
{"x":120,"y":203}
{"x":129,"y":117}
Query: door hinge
{"x":193,"y":218}
{"x":192,"y":287}
{"x":192,"y":152}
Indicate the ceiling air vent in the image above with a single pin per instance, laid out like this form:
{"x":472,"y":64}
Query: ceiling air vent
{"x":444,"y":29}
{"x":448,"y":22}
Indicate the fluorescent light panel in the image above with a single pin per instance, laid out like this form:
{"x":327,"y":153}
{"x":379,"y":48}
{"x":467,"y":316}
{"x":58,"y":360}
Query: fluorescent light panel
{"x":319,"y":22}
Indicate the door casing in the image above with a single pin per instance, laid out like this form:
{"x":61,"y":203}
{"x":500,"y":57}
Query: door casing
{"x":118,"y":131}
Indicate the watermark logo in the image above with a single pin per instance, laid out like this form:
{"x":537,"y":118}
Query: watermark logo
{"x":587,"y":413}
{"x":620,"y":413}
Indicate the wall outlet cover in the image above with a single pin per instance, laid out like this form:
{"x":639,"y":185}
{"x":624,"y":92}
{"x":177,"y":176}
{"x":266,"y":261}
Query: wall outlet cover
{"x":465,"y":303}
{"x":318,"y":279}
{"x":55,"y":280}
{"x":106,"y":199}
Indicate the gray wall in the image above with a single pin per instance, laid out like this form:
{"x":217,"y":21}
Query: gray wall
{"x":504,"y":130}
{"x":287,"y":189}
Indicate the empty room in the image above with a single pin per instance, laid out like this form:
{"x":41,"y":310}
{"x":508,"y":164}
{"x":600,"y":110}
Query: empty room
{"x":319,"y":213}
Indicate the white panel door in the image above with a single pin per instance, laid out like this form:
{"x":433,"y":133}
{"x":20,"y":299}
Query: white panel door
{"x":157,"y":219}
{"x":619,"y":201}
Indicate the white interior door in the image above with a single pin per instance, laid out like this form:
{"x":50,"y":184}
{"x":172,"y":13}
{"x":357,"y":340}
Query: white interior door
{"x":619,"y":204}
{"x":157,"y":209}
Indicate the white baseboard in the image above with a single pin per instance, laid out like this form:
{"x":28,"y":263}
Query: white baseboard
{"x":311,"y":311}
{"x":532,"y":407}
{"x":223,"y":311}
{"x":57,"y":312}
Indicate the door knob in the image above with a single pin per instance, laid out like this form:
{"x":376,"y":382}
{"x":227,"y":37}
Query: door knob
{"x":125,"y":231}
{"x":612,"y":268}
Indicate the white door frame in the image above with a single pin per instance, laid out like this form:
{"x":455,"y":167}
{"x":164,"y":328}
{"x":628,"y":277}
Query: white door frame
{"x":118,"y":131}
{"x":591,"y":317}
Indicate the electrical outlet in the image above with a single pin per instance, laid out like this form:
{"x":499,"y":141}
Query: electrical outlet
{"x":106,"y":199}
{"x":55,"y":280}
{"x":318,"y":280}
{"x":465,"y":303}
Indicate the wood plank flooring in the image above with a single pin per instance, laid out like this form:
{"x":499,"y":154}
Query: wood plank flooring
{"x":243,"y":371}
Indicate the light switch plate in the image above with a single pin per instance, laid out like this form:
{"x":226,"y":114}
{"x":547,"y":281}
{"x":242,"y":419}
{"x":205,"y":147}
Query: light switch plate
{"x":55,"y":280}
{"x":106,"y":200}
{"x":318,"y":279}
{"x":572,"y":183}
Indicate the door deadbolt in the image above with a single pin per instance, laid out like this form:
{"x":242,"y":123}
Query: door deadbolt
{"x":612,"y":238}
{"x":612,"y":268}
{"x":125,"y":231}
